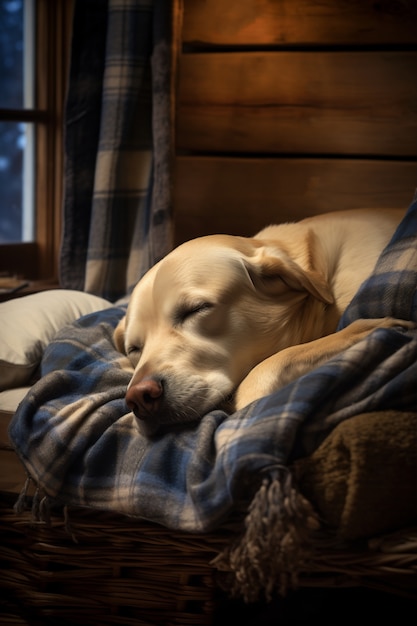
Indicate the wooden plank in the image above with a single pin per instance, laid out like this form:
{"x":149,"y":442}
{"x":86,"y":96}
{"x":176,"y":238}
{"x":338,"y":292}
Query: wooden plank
{"x":298,"y":102}
{"x":297,"y":22}
{"x":240,"y":196}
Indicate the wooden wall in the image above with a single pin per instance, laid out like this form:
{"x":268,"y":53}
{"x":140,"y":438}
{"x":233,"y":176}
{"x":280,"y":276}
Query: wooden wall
{"x":288,"y":108}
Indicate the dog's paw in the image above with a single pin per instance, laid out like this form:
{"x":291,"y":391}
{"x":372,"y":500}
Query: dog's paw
{"x":282,"y":368}
{"x":364,"y":326}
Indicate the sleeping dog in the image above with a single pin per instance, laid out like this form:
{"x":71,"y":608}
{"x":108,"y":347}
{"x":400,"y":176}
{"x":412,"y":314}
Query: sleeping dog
{"x":223,"y":320}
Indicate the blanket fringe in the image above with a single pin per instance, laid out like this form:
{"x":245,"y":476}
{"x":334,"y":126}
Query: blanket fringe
{"x":276,"y":541}
{"x":41,"y":510}
{"x":20,"y":504}
{"x":40,"y":507}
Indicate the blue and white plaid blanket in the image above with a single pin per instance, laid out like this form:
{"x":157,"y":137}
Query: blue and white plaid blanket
{"x":82,"y":446}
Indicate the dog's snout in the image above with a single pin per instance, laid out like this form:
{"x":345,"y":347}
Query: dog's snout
{"x":143,"y":397}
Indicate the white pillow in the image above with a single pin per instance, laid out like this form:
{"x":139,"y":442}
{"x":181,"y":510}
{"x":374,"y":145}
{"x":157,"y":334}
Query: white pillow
{"x":11,"y":398}
{"x":29,"y":323}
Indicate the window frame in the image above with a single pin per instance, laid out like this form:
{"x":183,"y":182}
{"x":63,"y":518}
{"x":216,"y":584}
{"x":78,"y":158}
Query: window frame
{"x":39,"y":260}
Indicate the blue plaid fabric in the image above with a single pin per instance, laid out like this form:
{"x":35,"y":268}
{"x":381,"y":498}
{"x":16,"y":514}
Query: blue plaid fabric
{"x":81,"y":445}
{"x":117,"y":204}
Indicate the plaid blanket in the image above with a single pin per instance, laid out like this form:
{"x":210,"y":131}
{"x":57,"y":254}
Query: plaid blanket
{"x":82,"y":446}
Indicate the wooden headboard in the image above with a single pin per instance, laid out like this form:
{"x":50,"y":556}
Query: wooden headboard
{"x":289,"y":108}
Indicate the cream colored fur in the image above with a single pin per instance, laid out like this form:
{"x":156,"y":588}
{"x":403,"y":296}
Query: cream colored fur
{"x":219,"y":321}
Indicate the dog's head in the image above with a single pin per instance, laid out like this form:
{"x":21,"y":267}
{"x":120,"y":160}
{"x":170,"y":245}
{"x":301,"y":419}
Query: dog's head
{"x":204,"y":316}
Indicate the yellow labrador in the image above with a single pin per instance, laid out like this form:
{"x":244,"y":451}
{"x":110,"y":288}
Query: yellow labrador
{"x":224,"y":320}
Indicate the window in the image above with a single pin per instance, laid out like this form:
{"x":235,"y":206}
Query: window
{"x":34,"y":53}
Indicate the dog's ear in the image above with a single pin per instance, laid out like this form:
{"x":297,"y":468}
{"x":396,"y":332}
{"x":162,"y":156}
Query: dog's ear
{"x":272,"y":273}
{"x":119,"y":335}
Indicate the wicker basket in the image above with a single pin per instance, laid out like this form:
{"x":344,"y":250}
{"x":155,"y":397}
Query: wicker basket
{"x":108,"y":569}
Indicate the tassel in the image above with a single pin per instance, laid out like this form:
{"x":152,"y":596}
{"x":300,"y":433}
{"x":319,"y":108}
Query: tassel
{"x":45,"y":511}
{"x":67,"y":524}
{"x":35,"y":505}
{"x":20,"y":505}
{"x":40,"y":508}
{"x":275,"y":543}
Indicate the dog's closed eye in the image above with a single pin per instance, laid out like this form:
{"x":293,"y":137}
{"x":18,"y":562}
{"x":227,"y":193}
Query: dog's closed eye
{"x":134,"y":353}
{"x":185,"y":312}
{"x":133,"y":349}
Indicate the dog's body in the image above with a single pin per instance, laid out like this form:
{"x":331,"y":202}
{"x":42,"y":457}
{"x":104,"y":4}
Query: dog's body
{"x":223,"y":317}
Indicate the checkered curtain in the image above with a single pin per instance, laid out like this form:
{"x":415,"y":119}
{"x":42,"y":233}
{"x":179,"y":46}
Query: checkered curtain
{"x":117,"y":201}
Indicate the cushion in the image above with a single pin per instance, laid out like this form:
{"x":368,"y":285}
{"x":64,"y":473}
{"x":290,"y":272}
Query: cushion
{"x":11,"y":398}
{"x":363,"y":477}
{"x":29,"y":323}
{"x":9,"y":401}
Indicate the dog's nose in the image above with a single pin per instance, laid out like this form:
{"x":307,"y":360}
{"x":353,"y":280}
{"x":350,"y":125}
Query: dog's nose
{"x":143,"y":397}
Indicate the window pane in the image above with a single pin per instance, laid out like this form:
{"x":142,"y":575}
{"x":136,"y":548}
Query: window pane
{"x":16,"y":139}
{"x":17,"y":54}
{"x":11,"y":53}
{"x":16,"y":182}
